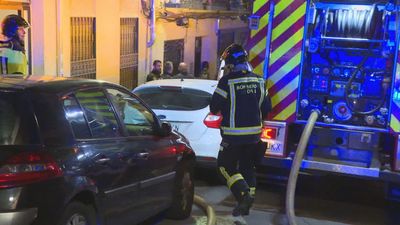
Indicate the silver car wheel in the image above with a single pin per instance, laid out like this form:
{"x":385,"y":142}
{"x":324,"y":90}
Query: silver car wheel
{"x":77,"y":219}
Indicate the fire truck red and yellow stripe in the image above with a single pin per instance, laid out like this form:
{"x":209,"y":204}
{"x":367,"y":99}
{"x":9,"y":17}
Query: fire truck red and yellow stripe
{"x":284,"y":55}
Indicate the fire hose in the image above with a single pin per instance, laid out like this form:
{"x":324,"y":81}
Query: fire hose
{"x":211,"y":218}
{"x":294,"y":172}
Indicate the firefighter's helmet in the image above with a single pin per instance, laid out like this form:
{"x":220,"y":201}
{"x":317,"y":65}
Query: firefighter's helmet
{"x":11,"y":23}
{"x":234,"y":54}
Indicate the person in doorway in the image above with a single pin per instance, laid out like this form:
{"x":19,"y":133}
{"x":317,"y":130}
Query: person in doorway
{"x":12,"y":45}
{"x":155,"y":73}
{"x":242,"y":100}
{"x":168,"y":70}
{"x":204,"y":74}
{"x":183,"y":72}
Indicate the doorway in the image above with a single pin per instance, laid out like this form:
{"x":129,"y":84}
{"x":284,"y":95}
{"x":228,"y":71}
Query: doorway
{"x":129,"y":52}
{"x":173,"y":51}
{"x":197,"y":56}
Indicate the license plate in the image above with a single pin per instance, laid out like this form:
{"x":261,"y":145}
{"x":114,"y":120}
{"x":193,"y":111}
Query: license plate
{"x":274,"y":134}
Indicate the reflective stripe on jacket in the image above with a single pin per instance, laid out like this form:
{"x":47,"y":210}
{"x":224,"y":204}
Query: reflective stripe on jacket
{"x":243,"y":101}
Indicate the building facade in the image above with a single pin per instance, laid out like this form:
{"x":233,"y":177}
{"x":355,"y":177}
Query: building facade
{"x":116,"y":40}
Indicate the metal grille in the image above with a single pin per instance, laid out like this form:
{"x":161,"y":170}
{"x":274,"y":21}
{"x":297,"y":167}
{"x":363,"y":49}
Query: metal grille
{"x":83,"y":47}
{"x":129,"y":53}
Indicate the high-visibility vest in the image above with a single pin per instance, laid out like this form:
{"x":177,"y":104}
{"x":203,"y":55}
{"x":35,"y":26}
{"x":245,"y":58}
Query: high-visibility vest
{"x":12,"y":60}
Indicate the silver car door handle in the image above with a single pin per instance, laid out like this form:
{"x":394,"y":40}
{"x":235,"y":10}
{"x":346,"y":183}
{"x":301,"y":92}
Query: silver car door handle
{"x":143,"y":155}
{"x":102,"y":160}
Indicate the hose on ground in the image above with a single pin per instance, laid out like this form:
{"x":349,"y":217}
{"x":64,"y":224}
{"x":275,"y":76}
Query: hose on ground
{"x":294,"y":171}
{"x":211,"y":219}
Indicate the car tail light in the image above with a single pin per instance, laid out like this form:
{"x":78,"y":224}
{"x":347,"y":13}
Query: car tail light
{"x":28,"y":168}
{"x":172,"y":88}
{"x":213,"y":121}
{"x":177,"y":149}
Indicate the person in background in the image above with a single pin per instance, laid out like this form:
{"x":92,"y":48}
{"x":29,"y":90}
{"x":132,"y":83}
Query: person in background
{"x":12,"y":45}
{"x":155,"y":73}
{"x":242,"y":100}
{"x":204,"y":74}
{"x":168,"y":70}
{"x":205,"y":4}
{"x":183,"y":72}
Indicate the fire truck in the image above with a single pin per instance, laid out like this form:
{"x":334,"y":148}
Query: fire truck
{"x":340,"y":58}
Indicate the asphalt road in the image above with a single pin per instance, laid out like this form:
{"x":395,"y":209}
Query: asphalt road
{"x":328,"y":200}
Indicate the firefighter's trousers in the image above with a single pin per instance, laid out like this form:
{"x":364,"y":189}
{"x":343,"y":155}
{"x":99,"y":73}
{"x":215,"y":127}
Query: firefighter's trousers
{"x":236,"y":163}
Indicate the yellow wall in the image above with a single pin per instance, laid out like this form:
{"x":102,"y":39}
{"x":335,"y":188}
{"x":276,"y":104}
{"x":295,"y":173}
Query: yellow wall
{"x":81,"y":8}
{"x":50,"y":37}
{"x":128,"y":9}
{"x":108,"y":40}
{"x":108,"y":14}
{"x":37,"y":20}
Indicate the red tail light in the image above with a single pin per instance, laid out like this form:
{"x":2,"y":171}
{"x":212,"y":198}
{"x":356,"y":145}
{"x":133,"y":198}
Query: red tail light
{"x":28,"y":168}
{"x":268,"y":133}
{"x":177,"y":149}
{"x":213,"y":121}
{"x":274,"y":135}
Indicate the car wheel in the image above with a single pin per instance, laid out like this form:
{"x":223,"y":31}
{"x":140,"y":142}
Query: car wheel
{"x":77,"y":213}
{"x":183,"y":195}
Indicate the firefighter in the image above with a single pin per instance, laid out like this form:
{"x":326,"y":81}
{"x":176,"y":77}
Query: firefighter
{"x":12,"y":46}
{"x":242,"y":100}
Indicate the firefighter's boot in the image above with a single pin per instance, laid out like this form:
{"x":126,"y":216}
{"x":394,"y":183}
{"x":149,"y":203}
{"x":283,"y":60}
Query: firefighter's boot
{"x":241,"y":191}
{"x":243,"y":207}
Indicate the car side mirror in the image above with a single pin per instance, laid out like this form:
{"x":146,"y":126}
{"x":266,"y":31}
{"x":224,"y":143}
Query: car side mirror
{"x":165,"y":129}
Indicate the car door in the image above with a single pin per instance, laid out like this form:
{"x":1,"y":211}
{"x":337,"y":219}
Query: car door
{"x":100,"y":137}
{"x":150,"y":152}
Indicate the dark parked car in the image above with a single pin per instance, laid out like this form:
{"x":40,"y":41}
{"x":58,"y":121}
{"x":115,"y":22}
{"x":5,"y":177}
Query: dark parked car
{"x":75,"y":151}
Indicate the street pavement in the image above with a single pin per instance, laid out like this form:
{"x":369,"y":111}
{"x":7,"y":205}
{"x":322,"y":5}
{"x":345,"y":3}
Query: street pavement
{"x":219,"y":198}
{"x":319,"y":200}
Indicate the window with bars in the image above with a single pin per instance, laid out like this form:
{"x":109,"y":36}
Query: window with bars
{"x":83,"y":47}
{"x":129,"y":53}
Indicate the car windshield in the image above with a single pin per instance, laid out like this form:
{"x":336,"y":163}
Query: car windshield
{"x":17,"y":123}
{"x":174,"y":98}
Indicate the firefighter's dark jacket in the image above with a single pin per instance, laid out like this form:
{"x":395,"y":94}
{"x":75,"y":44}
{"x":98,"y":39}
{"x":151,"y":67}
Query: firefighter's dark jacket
{"x":242,"y":99}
